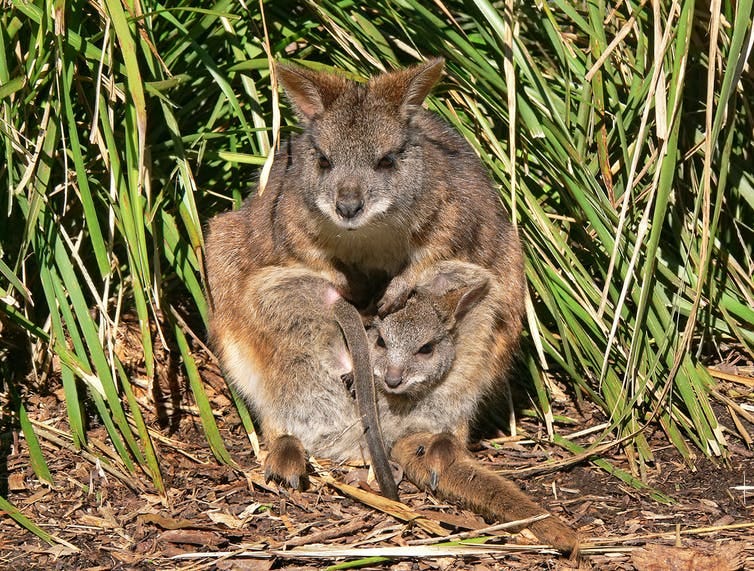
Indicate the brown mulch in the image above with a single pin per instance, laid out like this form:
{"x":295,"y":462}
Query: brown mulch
{"x":218,"y":517}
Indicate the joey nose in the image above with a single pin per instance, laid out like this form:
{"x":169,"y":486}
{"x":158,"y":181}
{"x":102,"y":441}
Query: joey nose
{"x":394,"y":376}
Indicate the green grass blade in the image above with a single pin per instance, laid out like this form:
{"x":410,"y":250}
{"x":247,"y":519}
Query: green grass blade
{"x":202,"y":402}
{"x":36,"y":457}
{"x":13,"y":512}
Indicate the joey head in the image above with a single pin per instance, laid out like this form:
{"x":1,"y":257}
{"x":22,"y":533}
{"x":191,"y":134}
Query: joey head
{"x":414,"y":347}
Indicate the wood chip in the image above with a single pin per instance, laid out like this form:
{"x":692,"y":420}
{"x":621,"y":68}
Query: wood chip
{"x":192,"y":537}
{"x":665,"y":558}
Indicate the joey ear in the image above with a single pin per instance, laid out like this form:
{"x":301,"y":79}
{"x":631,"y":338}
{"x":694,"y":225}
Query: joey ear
{"x":409,"y":87}
{"x":310,"y":92}
{"x":470,"y":297}
{"x":454,"y":276}
{"x":456,"y":301}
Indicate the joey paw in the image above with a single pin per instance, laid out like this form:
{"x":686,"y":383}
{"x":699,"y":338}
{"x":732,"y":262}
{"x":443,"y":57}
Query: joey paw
{"x":347,"y":379}
{"x":286,"y":463}
{"x":395,"y":296}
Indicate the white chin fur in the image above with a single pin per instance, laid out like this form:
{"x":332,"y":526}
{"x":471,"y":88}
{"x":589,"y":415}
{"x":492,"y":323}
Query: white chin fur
{"x":373,"y":210}
{"x":405,"y":387}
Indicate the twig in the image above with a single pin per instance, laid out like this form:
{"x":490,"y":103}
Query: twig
{"x":731,"y":377}
{"x":396,"y":509}
{"x":327,"y":534}
{"x":478,"y":532}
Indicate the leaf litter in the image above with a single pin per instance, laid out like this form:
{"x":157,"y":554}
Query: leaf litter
{"x":216,"y":517}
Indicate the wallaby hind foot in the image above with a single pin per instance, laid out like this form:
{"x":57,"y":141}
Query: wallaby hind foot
{"x":286,"y":463}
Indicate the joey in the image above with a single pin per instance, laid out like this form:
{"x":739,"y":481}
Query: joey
{"x":414,"y":347}
{"x":413,"y":351}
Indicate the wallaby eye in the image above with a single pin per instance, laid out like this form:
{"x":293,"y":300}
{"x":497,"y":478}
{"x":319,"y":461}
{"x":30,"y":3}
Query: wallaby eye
{"x":386,"y":162}
{"x":380,"y":342}
{"x":426,"y":349}
{"x":323,"y":162}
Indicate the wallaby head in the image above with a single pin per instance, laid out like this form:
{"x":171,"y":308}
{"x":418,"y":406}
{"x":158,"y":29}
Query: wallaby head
{"x":360,"y":156}
{"x":414,"y":348}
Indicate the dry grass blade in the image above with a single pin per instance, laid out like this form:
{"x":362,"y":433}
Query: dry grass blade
{"x":396,"y":509}
{"x":334,"y":552}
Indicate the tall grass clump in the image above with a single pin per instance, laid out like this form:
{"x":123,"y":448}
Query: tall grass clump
{"x":619,"y":135}
{"x":109,"y":116}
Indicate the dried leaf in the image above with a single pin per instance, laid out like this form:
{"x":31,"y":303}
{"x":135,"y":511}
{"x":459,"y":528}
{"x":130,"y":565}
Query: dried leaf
{"x":226,"y":519}
{"x":170,"y":523}
{"x":16,"y":482}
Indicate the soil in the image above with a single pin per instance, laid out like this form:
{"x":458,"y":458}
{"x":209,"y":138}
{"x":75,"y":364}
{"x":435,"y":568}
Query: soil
{"x":118,"y":520}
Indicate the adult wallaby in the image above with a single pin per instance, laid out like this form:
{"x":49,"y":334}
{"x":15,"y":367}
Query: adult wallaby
{"x":373,"y":193}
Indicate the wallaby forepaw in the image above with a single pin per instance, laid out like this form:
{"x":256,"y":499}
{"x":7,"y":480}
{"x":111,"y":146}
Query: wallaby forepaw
{"x":395,"y":297}
{"x":286,"y":463}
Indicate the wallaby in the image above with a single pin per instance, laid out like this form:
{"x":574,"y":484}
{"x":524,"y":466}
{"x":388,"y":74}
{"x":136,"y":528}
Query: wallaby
{"x":374,"y":192}
{"x":414,"y":347}
{"x":413,"y":350}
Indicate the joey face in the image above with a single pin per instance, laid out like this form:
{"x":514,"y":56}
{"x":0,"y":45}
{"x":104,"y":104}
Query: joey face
{"x":412,"y":349}
{"x":362,"y":165}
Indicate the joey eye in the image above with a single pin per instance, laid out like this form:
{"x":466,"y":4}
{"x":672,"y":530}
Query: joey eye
{"x":426,"y":349}
{"x":386,"y":162}
{"x":380,"y":342}
{"x":323,"y":162}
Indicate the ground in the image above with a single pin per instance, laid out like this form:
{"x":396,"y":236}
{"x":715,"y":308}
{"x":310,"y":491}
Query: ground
{"x":113,"y":521}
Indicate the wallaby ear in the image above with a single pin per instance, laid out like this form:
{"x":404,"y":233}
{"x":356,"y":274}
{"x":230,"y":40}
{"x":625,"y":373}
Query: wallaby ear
{"x":409,"y":87}
{"x":470,"y":297}
{"x":422,"y":81}
{"x":310,"y":92}
{"x":457,"y":298}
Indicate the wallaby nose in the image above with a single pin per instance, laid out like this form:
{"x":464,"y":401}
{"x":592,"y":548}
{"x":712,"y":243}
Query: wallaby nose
{"x":349,"y":208}
{"x":349,"y":204}
{"x":393,"y":376}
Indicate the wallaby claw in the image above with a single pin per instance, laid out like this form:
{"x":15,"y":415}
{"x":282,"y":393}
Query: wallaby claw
{"x":434,"y":480}
{"x":286,"y":463}
{"x":293,"y":481}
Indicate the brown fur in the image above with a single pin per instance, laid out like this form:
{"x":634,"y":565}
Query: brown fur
{"x":352,"y":326}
